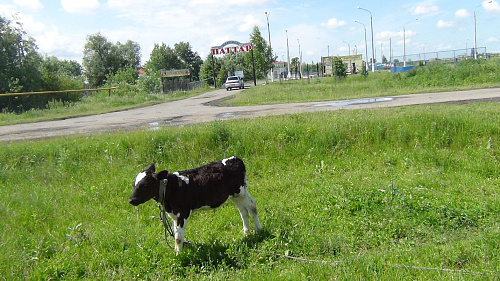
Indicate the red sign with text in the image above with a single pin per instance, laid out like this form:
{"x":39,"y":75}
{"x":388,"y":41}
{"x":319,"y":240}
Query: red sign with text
{"x":231,"y":47}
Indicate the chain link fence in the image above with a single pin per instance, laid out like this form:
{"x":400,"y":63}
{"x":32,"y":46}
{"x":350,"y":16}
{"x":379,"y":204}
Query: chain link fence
{"x":450,"y":56}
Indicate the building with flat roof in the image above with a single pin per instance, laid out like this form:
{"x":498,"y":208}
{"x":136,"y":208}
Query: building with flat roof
{"x":354,"y":63}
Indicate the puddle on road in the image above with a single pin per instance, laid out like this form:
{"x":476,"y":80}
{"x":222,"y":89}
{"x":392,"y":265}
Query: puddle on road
{"x":353,"y":102}
{"x":227,"y":115}
{"x":154,"y":126}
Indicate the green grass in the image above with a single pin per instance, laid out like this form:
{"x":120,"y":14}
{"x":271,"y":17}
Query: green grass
{"x":383,"y":194}
{"x":470,"y":74}
{"x":125,"y":97}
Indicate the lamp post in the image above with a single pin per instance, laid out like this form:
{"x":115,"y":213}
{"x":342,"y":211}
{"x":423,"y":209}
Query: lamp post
{"x":382,"y":52}
{"x":475,"y":38}
{"x":404,"y":42}
{"x":366,"y":44}
{"x":287,"y":56}
{"x":271,"y":49}
{"x":371,"y":26}
{"x":348,"y":46}
{"x":300,"y":60}
{"x":390,"y":52}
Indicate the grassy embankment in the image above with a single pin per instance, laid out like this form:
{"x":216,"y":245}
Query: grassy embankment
{"x":383,"y":194}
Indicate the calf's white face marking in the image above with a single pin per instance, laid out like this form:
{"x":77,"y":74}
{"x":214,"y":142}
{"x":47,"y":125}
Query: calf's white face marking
{"x":139,"y":177}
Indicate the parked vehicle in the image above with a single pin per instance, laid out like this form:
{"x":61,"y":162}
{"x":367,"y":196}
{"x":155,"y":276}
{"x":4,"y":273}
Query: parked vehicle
{"x":234,"y":82}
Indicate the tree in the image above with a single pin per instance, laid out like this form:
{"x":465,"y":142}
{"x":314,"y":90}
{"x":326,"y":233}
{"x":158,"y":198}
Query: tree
{"x":103,"y":59}
{"x":189,"y":59}
{"x":129,"y":54}
{"x":294,"y":66}
{"x":340,"y":69}
{"x":19,"y":59}
{"x":262,"y":53}
{"x":96,"y":53}
{"x":210,"y":66}
{"x":60,"y":74}
{"x":162,"y":57}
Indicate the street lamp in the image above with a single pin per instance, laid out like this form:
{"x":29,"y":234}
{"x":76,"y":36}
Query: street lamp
{"x":271,"y":49}
{"x":404,"y":41}
{"x":475,"y":39}
{"x":300,"y":60}
{"x":348,"y":46}
{"x":366,"y":44}
{"x":371,"y":26}
{"x":287,"y":55}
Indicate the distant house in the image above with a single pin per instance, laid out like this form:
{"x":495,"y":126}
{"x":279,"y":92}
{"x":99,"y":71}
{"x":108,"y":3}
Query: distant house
{"x":354,"y":63}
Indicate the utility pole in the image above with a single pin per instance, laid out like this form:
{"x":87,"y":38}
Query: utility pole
{"x":287,"y":56}
{"x":300,"y":60}
{"x":366,"y":45}
{"x":270,"y":48}
{"x":373,"y":48}
{"x":475,"y":29}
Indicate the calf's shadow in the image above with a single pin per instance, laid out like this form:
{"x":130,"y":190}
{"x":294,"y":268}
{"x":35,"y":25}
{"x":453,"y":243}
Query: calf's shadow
{"x":218,"y":254}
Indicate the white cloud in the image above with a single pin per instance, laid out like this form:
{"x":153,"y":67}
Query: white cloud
{"x":31,"y":4}
{"x":249,"y":22}
{"x":492,"y":7}
{"x":334,"y":23}
{"x":30,"y":25}
{"x":445,"y":24}
{"x":492,"y":40}
{"x":50,"y":40}
{"x":80,"y":7}
{"x":121,"y":3}
{"x":214,"y":3}
{"x":385,"y":35}
{"x":425,"y":9}
{"x":462,"y":13}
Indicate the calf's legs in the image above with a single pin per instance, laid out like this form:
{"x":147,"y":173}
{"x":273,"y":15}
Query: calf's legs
{"x":246,"y":204}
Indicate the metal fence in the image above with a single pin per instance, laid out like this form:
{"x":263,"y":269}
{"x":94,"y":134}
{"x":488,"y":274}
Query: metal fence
{"x":59,"y":92}
{"x":450,"y":56}
{"x":174,"y":85}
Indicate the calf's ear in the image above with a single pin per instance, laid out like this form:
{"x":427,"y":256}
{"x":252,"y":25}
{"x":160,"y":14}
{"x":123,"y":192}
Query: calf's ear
{"x":151,"y":168}
{"x":162,"y":175}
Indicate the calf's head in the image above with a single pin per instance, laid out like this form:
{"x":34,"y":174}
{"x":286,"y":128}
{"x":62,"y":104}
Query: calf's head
{"x":146,"y":185}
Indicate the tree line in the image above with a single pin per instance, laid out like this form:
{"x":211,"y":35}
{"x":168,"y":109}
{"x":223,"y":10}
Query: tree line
{"x":107,"y":63}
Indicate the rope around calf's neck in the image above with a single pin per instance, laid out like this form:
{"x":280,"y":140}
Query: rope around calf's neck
{"x":163,"y":214}
{"x":167,"y":227}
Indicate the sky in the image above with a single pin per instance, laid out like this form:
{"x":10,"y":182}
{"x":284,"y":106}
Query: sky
{"x":317,"y":28}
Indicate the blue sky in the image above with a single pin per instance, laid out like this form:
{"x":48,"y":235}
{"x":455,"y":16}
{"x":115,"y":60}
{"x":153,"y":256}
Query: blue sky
{"x":60,"y":27}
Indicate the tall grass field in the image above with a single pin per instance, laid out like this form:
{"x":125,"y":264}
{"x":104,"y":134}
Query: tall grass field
{"x":407,"y":193}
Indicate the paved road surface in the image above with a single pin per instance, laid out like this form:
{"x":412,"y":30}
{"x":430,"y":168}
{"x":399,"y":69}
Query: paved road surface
{"x":198,"y":109}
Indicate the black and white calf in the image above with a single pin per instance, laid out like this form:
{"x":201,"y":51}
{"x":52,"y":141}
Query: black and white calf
{"x":201,"y":188}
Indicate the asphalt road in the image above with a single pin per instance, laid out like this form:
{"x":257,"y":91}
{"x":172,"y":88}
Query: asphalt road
{"x":203,"y":108}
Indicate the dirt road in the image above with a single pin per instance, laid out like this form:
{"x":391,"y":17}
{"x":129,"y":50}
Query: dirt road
{"x":203,"y":108}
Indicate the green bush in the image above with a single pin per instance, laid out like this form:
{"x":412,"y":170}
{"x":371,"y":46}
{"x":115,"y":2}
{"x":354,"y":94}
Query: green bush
{"x":150,"y":83}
